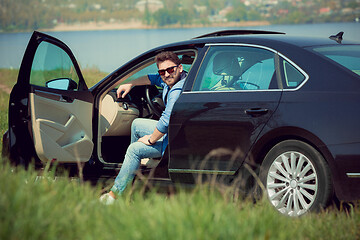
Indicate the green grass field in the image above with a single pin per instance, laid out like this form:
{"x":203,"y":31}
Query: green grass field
{"x":37,"y":205}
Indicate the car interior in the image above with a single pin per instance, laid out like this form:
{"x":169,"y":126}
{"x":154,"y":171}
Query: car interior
{"x":116,"y":115}
{"x":229,"y":69}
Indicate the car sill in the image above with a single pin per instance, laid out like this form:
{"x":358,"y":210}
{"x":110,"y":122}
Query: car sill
{"x":202,"y":171}
{"x":353,"y":175}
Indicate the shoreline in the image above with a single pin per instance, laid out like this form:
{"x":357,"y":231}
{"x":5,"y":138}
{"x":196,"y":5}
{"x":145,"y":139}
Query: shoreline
{"x":101,"y":26}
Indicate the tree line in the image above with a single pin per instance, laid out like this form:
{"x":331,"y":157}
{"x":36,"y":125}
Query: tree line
{"x":27,"y":15}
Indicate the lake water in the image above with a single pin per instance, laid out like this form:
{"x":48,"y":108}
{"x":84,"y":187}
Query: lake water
{"x":107,"y":50}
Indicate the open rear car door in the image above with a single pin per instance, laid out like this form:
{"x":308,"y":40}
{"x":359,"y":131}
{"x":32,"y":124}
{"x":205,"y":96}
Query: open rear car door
{"x":50,"y":111}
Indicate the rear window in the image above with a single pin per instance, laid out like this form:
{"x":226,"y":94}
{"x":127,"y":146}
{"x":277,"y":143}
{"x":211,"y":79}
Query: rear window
{"x":346,"y":55}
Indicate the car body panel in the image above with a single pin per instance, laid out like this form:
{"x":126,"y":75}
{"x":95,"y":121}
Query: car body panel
{"x":221,"y":124}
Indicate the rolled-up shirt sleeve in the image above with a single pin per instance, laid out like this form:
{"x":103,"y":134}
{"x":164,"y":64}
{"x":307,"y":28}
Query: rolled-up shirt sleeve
{"x":156,"y":80}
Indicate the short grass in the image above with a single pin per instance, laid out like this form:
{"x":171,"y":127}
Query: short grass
{"x":36,"y":205}
{"x":8,"y":77}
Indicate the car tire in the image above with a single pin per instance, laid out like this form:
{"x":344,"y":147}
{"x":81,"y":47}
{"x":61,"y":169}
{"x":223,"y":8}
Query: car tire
{"x":296,"y":178}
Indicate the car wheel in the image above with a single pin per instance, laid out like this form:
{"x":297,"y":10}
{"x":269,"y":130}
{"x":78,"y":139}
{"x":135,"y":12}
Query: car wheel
{"x":296,"y":178}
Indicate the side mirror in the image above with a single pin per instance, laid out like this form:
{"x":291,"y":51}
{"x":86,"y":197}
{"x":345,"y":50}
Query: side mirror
{"x":62,"y":84}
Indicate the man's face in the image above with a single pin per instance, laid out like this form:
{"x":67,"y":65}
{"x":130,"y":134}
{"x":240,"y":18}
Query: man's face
{"x":173,"y":77}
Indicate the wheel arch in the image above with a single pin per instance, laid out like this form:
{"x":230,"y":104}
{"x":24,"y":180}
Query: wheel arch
{"x":267,"y":141}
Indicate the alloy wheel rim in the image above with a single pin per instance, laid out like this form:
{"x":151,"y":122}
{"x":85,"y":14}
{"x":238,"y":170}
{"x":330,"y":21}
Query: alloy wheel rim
{"x":292,"y":183}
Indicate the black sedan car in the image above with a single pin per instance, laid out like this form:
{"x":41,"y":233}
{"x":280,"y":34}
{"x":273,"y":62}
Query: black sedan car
{"x":284,"y":107}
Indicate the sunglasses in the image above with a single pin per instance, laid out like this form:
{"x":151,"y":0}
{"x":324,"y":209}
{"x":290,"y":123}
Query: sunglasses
{"x":170,"y":70}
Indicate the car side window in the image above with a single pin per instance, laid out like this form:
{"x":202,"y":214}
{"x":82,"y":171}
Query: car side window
{"x":187,"y":60}
{"x":232,"y":68}
{"x":293,"y":77}
{"x":53,"y":68}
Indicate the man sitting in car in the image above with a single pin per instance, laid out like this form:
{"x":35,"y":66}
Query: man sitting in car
{"x":149,"y":137}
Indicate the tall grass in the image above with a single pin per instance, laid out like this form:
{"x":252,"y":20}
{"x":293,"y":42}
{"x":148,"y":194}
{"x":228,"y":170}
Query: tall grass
{"x":4,"y":104}
{"x":44,"y":208}
{"x":38,"y":205}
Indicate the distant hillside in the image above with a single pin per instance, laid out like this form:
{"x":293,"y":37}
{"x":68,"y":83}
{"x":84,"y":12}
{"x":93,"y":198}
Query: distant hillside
{"x":27,"y":15}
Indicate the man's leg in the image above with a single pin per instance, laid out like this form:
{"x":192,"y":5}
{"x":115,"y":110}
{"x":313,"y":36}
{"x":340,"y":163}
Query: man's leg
{"x":141,"y":127}
{"x":135,"y":152}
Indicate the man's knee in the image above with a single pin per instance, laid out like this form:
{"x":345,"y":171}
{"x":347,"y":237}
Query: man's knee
{"x":135,"y":148}
{"x":135,"y":122}
{"x":138,"y":124}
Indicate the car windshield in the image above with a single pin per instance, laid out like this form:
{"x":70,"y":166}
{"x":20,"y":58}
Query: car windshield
{"x":346,"y":55}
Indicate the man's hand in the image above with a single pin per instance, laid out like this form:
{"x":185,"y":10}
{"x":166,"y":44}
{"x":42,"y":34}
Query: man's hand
{"x":123,"y":90}
{"x":145,"y":140}
{"x":155,"y":136}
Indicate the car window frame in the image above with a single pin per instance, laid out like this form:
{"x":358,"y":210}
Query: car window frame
{"x":279,"y":57}
{"x":52,"y":46}
{"x":294,"y":65}
{"x":121,"y":75}
{"x":276,"y":58}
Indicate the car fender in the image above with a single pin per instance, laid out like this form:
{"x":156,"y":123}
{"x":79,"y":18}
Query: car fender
{"x":270,"y":137}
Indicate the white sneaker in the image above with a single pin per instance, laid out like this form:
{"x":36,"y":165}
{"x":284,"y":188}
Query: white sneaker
{"x":107,"y":199}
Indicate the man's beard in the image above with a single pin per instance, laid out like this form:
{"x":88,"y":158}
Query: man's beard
{"x":174,"y":79}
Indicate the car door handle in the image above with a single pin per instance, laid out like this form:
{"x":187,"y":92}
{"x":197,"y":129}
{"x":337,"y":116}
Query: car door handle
{"x":66,"y":99}
{"x":256,"y":112}
{"x":54,"y":96}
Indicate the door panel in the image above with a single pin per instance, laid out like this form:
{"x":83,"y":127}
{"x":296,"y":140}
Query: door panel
{"x":213,"y":132}
{"x":61,"y":130}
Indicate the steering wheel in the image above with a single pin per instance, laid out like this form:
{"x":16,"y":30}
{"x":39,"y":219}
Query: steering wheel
{"x":243,"y":85}
{"x":153,"y":98}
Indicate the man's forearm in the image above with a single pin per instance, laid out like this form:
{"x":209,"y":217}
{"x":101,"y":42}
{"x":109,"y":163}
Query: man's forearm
{"x":155,"y":136}
{"x":126,"y":88}
{"x":152,"y":138}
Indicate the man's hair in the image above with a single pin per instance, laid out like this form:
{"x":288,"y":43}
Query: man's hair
{"x":168,"y":55}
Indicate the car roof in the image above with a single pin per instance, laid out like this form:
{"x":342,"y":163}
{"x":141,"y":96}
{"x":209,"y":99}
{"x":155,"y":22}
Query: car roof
{"x":265,"y":38}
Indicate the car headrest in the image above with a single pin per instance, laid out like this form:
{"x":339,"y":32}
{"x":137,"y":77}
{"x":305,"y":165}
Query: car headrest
{"x":186,"y":59}
{"x":226,"y":64}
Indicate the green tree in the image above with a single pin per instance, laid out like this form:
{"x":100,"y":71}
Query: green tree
{"x":164,"y":17}
{"x":253,"y":15}
{"x":239,"y":13}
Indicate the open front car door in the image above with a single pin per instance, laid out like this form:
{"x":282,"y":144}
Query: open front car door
{"x":50,"y":112}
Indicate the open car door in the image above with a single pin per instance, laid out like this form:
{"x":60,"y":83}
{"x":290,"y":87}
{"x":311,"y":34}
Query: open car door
{"x":50,"y":112}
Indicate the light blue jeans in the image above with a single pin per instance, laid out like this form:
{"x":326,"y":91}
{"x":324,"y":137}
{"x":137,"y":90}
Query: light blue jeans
{"x":135,"y":152}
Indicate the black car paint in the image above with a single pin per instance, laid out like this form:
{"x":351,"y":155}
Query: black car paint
{"x":220,"y":121}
